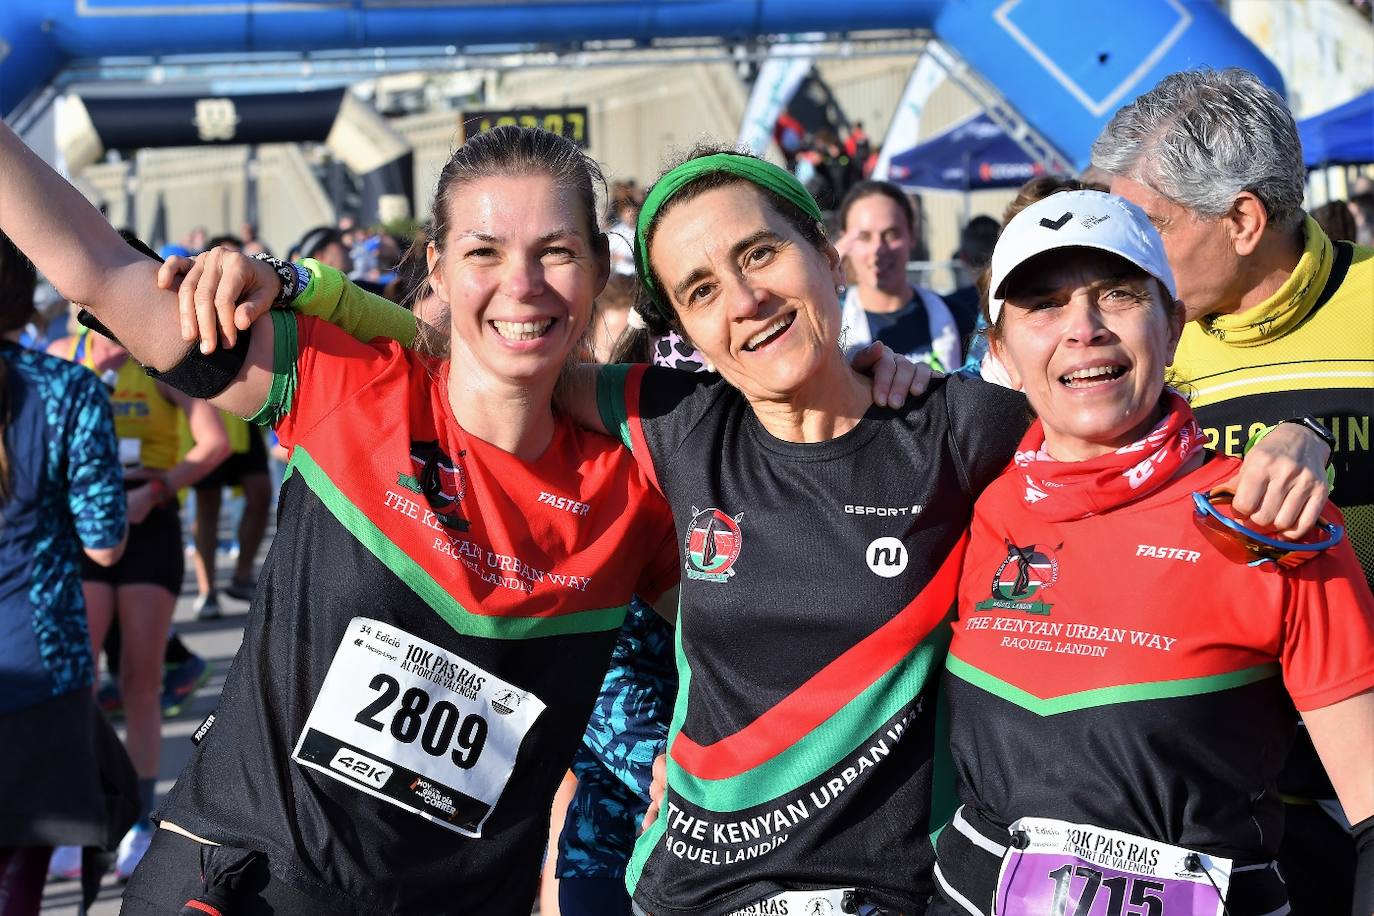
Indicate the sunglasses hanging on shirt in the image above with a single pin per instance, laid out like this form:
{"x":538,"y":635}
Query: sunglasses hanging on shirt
{"x":1213,"y":516}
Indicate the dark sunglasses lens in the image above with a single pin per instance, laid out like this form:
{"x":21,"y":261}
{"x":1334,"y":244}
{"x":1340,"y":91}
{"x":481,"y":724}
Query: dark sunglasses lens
{"x":1228,"y":543}
{"x":1237,"y":546}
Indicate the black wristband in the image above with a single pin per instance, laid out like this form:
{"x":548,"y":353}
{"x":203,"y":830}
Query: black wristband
{"x":86,"y":319}
{"x":202,"y":376}
{"x":1316,"y":426}
{"x":293,"y":277}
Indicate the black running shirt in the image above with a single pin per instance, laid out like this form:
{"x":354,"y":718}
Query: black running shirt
{"x":817,"y":585}
{"x":468,"y":568}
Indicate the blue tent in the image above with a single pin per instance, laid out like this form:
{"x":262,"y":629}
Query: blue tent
{"x":1342,"y":136}
{"x":973,"y":155}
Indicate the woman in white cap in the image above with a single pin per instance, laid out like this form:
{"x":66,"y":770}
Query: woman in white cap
{"x":1126,"y":663}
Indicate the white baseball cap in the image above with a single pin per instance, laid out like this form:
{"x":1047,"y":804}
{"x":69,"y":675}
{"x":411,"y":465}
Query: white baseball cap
{"x":1078,"y":219}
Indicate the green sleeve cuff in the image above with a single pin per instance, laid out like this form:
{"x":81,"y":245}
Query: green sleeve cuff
{"x":332,"y":297}
{"x":1258,"y":437}
{"x":285,"y":351}
{"x":610,"y":402}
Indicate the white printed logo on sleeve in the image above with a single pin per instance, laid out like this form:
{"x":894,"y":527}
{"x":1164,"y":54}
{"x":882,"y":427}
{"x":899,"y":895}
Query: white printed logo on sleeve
{"x":402,"y":719}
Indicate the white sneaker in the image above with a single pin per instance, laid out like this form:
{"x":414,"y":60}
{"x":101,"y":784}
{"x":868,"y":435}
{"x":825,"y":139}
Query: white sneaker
{"x":131,"y":850}
{"x":207,"y":607}
{"x":65,"y":864}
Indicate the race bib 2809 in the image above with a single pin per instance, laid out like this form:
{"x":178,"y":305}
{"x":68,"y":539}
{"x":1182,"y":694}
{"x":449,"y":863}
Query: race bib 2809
{"x":416,"y":725}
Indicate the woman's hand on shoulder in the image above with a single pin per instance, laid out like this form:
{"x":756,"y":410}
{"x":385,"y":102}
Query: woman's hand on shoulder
{"x":141,"y":501}
{"x":658,"y":787}
{"x":1281,"y":485}
{"x":222,"y":292}
{"x":895,"y":378}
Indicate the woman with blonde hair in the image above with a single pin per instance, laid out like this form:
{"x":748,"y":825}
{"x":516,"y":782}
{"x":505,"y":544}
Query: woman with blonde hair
{"x":452,"y":560}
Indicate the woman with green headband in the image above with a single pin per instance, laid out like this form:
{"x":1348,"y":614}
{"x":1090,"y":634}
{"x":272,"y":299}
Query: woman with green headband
{"x":821,"y":540}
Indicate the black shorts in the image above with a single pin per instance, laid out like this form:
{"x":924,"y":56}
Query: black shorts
{"x":154,"y":556}
{"x":72,"y":783}
{"x":231,"y":471}
{"x":176,"y":869}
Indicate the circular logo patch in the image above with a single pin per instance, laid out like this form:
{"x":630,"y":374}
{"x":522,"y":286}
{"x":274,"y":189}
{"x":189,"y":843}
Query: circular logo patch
{"x":1024,"y":572}
{"x":713,"y":544}
{"x":887,"y":557}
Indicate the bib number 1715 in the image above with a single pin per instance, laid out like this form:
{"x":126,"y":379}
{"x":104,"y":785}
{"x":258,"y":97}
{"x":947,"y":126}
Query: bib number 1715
{"x":1144,"y":893}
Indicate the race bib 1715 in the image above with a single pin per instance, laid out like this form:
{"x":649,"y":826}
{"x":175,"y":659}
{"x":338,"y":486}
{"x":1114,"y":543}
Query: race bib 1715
{"x":416,"y":725}
{"x":1055,"y":868}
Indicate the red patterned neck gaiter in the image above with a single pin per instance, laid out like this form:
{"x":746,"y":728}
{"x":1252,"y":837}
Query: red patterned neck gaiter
{"x":1066,"y":490}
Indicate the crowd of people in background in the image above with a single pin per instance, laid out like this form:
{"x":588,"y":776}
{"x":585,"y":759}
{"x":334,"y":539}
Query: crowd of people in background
{"x":829,"y":160}
{"x":1351,"y":219}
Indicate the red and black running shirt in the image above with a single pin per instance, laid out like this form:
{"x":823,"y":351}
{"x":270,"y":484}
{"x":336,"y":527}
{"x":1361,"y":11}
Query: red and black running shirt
{"x":391,"y":511}
{"x":1121,"y":671}
{"x":817,"y":588}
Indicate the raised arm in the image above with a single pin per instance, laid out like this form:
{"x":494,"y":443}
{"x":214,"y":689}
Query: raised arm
{"x":87,"y":261}
{"x":222,"y":292}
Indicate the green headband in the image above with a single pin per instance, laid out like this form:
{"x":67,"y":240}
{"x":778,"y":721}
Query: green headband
{"x":764,"y":174}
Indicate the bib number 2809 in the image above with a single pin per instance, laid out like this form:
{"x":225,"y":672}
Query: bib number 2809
{"x":435,"y":724}
{"x":414,"y":724}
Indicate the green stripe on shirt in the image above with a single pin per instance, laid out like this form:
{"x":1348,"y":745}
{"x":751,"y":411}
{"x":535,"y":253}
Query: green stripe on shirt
{"x":610,"y":401}
{"x":853,"y":727}
{"x":1107,"y":696}
{"x":418,"y":579}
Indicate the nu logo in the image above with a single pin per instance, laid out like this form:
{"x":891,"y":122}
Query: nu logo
{"x":887,"y":557}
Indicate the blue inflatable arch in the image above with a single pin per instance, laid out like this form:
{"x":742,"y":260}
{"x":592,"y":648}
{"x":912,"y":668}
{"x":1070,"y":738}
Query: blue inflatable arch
{"x":1064,"y":65}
